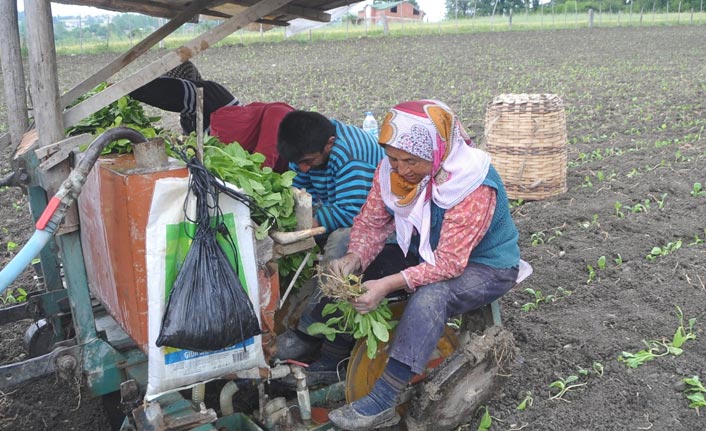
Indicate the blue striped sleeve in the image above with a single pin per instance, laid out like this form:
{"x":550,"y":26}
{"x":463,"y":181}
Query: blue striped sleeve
{"x":350,"y":190}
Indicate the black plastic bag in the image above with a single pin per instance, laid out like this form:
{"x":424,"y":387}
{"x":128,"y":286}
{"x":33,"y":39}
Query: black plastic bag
{"x":208,"y":309}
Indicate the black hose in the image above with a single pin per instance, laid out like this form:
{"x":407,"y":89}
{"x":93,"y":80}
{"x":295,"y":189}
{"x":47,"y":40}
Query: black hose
{"x":96,"y":148}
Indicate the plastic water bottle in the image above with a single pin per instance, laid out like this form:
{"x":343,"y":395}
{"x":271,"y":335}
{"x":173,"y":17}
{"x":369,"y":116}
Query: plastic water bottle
{"x":370,"y":125}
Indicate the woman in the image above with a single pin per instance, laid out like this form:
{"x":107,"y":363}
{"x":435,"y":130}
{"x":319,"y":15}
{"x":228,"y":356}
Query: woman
{"x":447,"y":205}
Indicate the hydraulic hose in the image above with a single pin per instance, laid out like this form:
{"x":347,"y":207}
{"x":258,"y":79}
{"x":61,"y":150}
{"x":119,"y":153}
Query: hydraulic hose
{"x":56,"y":208}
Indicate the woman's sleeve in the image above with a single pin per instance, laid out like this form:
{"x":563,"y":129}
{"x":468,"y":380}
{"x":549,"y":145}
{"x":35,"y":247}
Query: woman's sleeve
{"x":371,"y":227}
{"x":464,"y":226}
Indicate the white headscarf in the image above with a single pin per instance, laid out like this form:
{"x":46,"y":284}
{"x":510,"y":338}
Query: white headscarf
{"x":429,"y":130}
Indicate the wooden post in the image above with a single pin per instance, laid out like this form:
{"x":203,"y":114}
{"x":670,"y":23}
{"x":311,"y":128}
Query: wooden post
{"x":12,"y":72}
{"x":44,"y":83}
{"x":679,"y":12}
{"x":509,"y":20}
{"x":80,"y":33}
{"x":590,"y":18}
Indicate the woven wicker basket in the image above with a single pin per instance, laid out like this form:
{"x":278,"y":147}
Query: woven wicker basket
{"x":526,"y":136}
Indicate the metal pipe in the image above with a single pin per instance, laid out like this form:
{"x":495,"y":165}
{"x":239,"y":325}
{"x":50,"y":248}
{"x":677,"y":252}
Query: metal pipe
{"x":198,"y":393}
{"x":226,"y":398}
{"x":302,"y":394}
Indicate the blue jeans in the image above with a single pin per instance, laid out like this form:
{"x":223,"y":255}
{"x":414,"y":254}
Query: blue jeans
{"x":430,"y":307}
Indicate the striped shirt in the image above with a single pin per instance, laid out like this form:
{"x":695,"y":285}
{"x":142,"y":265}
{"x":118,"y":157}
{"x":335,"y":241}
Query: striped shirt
{"x":340,"y":190}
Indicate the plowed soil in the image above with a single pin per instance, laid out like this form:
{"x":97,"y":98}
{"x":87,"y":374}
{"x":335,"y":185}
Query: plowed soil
{"x":636,"y":117}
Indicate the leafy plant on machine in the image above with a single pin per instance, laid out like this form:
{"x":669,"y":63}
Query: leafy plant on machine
{"x":270,"y":190}
{"x":373,"y":326}
{"x":126,"y":111}
{"x":657,"y":348}
{"x":695,"y":393}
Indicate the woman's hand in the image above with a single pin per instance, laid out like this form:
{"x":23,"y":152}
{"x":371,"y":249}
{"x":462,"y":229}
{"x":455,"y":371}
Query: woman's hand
{"x":375,"y":291}
{"x":342,"y":267}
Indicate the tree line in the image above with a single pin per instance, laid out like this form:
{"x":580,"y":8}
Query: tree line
{"x":469,"y":8}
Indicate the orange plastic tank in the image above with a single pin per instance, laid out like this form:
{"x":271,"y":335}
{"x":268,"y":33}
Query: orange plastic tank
{"x":114,"y":207}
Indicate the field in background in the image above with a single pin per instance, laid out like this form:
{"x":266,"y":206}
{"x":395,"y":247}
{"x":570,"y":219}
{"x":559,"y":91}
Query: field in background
{"x":547,"y":18}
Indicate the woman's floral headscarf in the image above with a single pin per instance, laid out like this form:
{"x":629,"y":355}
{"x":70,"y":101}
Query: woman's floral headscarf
{"x":429,"y":130}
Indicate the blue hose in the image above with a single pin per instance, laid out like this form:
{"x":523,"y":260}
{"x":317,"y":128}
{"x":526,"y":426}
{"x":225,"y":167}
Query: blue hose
{"x":24,"y":257}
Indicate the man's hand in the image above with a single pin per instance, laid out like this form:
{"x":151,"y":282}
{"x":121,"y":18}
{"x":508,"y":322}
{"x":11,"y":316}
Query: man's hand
{"x":342,"y":267}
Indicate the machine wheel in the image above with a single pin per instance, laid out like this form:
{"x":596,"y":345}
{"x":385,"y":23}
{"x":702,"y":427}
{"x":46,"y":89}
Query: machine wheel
{"x":462,"y":383}
{"x":363,"y":371}
{"x":39,"y":338}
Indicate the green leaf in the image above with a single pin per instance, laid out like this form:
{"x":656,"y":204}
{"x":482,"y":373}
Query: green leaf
{"x":320,"y":329}
{"x":380,"y":331}
{"x":372,"y":347}
{"x":486,"y":421}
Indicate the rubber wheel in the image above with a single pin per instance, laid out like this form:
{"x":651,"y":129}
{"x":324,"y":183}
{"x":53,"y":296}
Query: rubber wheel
{"x":39,"y":338}
{"x":363,"y":371}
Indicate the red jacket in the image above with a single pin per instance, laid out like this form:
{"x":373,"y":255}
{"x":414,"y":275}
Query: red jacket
{"x":254,"y":126}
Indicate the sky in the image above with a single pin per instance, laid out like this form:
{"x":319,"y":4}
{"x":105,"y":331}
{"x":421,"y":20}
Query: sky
{"x":433,"y":8}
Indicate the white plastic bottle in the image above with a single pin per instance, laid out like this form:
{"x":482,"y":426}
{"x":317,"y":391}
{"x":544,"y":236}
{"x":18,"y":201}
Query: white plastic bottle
{"x":370,"y":125}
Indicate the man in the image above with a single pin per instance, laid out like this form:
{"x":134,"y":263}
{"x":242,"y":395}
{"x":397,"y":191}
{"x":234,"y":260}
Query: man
{"x":253,"y":126}
{"x":335,"y":163}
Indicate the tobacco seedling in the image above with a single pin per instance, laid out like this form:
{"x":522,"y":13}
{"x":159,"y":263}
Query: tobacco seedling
{"x":591,"y":273}
{"x":538,"y":297}
{"x":588,"y":224}
{"x":557,"y":234}
{"x":10,"y":298}
{"x":660,"y":201}
{"x":486,"y":421}
{"x":587,"y":184}
{"x":11,"y":246}
{"x":526,"y":402}
{"x":663,"y":251}
{"x":517,"y":203}
{"x":619,"y":213}
{"x":695,"y":392}
{"x":697,"y":190}
{"x":697,"y":240}
{"x":537,"y":238}
{"x":564,"y":386}
{"x":374,"y":326}
{"x":657,"y":348}
{"x":618,"y":260}
{"x":596,"y":368}
{"x":601,"y":262}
